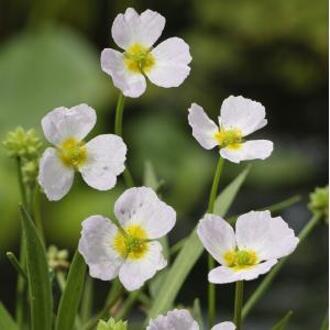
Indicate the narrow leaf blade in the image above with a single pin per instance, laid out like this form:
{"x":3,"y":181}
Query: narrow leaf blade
{"x":6,"y":320}
{"x":70,"y":299}
{"x":282,"y":324}
{"x":40,"y":294}
{"x":190,"y":253}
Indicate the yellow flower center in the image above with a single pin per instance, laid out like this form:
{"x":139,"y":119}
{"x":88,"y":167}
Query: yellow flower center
{"x":138,"y":59}
{"x":231,"y":138}
{"x":133,"y":244}
{"x":72,"y":152}
{"x":240,"y":259}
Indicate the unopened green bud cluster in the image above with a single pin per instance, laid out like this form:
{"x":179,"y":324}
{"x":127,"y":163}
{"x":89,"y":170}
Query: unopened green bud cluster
{"x":319,"y":202}
{"x":112,"y":325}
{"x":26,"y":146}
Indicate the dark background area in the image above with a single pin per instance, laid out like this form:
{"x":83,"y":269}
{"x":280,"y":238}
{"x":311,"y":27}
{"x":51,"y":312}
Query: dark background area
{"x":272,"y":51}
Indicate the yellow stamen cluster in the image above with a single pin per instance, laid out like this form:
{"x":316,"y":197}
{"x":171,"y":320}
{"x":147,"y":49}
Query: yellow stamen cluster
{"x":73,"y":153}
{"x":231,"y":138}
{"x":132,"y":244}
{"x":138,"y":59}
{"x":240,"y":259}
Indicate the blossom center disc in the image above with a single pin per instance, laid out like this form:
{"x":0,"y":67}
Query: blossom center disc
{"x":231,"y":138}
{"x":133,"y":245}
{"x":73,"y":153}
{"x":240,"y":259}
{"x":138,"y":59}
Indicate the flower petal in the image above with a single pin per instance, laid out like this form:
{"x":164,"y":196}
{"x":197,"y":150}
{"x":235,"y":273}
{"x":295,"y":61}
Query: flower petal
{"x":171,"y":68}
{"x":255,"y":149}
{"x":54,"y":177}
{"x":62,"y":123}
{"x":223,"y":275}
{"x":177,"y":319}
{"x":133,"y":273}
{"x":203,"y":128}
{"x":130,"y":28}
{"x":242,"y":113}
{"x":142,"y":206}
{"x":217,"y":236}
{"x":95,"y":245}
{"x":270,"y":238}
{"x":130,"y":83}
{"x":106,"y":155}
{"x":224,"y":326}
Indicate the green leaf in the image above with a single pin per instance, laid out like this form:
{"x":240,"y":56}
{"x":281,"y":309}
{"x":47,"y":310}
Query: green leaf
{"x":156,"y":283}
{"x":281,"y":324}
{"x":150,"y":178}
{"x":190,"y":253}
{"x":64,"y":68}
{"x":6,"y":321}
{"x":40,"y":294}
{"x":224,"y":200}
{"x":70,"y":299}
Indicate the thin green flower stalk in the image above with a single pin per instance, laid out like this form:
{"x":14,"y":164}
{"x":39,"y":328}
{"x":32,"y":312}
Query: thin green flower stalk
{"x":211,"y":262}
{"x":267,"y":281}
{"x":239,"y":289}
{"x":119,"y":131}
{"x":25,"y":147}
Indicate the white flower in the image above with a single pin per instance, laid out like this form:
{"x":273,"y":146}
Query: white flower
{"x":177,"y":319}
{"x":239,"y":117}
{"x":181,"y":319}
{"x":99,"y":161}
{"x":166,"y":65}
{"x":224,"y":326}
{"x":131,"y":250}
{"x":254,"y":249}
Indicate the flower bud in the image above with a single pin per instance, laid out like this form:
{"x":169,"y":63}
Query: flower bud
{"x":24,"y":144}
{"x":319,"y":202}
{"x":112,"y":325}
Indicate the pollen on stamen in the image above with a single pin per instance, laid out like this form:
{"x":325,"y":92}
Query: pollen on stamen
{"x":72,"y":152}
{"x":231,"y":138}
{"x":139,"y":59}
{"x":240,"y":259}
{"x":133,"y":245}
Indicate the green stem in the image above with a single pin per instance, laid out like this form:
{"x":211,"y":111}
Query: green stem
{"x":113,"y":296}
{"x":274,"y":208}
{"x":21,"y":182}
{"x":215,"y":185}
{"x":119,"y":131}
{"x":238,"y":304}
{"x":129,"y":303}
{"x":20,"y":287}
{"x":267,"y":281}
{"x":119,"y":115}
{"x":325,"y":322}
{"x":211,"y":263}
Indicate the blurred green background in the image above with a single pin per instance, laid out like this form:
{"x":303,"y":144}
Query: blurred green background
{"x":274,"y":51}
